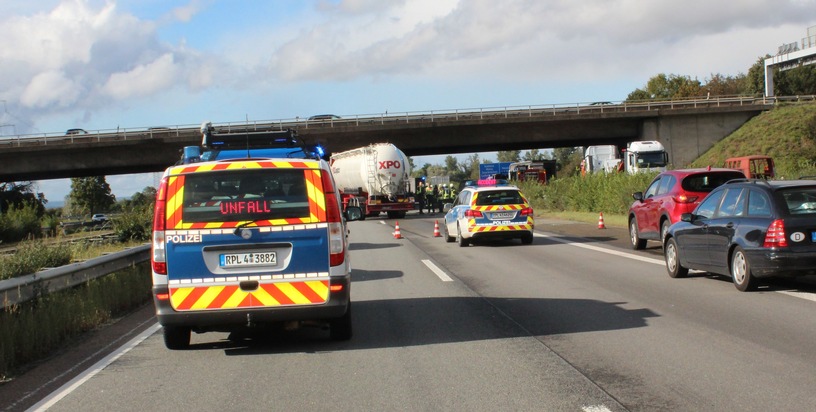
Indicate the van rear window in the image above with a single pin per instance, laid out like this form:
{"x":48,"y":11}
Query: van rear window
{"x":257,"y":194}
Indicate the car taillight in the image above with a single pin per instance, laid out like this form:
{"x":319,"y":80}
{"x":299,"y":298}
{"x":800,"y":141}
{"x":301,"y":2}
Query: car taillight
{"x":775,"y":237}
{"x":473,"y":213}
{"x":685,"y":199}
{"x":527,"y":211}
{"x":337,"y":238}
{"x":159,"y":255}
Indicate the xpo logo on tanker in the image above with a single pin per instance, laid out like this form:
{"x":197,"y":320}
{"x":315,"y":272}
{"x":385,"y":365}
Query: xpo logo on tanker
{"x":388,"y":164}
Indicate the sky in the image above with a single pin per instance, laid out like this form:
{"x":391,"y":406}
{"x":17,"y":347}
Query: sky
{"x":103,"y":64}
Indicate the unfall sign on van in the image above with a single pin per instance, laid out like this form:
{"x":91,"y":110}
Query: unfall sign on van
{"x":244,"y":206}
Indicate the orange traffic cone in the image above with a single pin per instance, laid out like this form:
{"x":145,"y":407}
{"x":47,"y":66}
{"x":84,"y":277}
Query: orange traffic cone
{"x":601,"y":224}
{"x":436,"y":229}
{"x":397,"y":234}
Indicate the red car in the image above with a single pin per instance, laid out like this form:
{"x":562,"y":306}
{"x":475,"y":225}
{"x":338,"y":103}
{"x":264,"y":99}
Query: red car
{"x":671,"y":194}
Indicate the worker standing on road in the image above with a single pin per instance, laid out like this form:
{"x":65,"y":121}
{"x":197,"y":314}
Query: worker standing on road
{"x":420,"y":192}
{"x":440,"y":192}
{"x":430,"y":199}
{"x":452,"y":191}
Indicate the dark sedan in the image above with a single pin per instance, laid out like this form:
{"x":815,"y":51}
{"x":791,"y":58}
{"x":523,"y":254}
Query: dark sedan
{"x":748,"y":229}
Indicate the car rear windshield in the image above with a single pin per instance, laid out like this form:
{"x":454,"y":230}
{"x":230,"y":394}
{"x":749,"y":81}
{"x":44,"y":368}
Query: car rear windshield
{"x":258,"y":194}
{"x":800,"y":200}
{"x":706,"y":182}
{"x":499,"y":197}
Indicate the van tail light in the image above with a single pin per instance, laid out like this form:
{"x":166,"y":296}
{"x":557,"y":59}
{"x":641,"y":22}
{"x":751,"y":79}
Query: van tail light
{"x":473,"y":213}
{"x":775,"y":236}
{"x":685,"y":199}
{"x":527,"y":211}
{"x":337,"y":239}
{"x":159,"y":254}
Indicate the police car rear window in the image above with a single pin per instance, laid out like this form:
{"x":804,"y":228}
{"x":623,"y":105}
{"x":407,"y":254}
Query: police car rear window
{"x":498,"y":197}
{"x":257,"y":194}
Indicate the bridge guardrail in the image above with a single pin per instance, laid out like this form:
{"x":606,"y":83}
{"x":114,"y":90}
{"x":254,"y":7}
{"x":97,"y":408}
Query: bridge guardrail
{"x":401,"y":117}
{"x":20,"y":289}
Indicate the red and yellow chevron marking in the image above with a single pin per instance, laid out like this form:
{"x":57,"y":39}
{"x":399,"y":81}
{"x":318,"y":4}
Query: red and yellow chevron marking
{"x":248,"y":164}
{"x":314,"y":189}
{"x":494,"y":208}
{"x":232,"y":297}
{"x":473,"y":227}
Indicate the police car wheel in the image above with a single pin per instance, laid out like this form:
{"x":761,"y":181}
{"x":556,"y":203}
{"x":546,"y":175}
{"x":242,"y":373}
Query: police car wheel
{"x":340,"y":328}
{"x":462,"y":241}
{"x":527,"y":239}
{"x":448,"y":237}
{"x":176,"y":338}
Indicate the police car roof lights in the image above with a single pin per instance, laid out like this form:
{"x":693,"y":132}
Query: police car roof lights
{"x":486,"y":182}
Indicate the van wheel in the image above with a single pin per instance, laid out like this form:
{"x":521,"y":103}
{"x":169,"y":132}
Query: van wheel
{"x":176,"y":338}
{"x":634,"y":238}
{"x":340,"y":328}
{"x":527,"y":239}
{"x":741,"y":271}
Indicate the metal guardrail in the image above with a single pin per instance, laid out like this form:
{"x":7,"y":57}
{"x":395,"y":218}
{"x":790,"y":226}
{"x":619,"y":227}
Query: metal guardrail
{"x":401,"y":118}
{"x":24,"y":288}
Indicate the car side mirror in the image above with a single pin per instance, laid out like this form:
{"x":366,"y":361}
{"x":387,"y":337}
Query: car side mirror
{"x":447,"y":207}
{"x":353,"y":213}
{"x":686,"y":217}
{"x":638,"y":196}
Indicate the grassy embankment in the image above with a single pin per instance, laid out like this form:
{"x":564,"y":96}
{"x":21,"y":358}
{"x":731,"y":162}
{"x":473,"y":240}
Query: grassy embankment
{"x":787,"y":133}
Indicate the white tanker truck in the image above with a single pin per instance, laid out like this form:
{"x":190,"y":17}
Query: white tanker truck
{"x":374,"y":177}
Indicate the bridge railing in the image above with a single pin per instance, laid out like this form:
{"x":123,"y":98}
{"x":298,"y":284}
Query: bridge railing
{"x":411,"y":117}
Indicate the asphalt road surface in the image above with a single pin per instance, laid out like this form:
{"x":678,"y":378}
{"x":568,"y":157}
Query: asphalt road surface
{"x":574,"y":322}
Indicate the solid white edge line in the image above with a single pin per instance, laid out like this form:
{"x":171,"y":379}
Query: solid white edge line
{"x":595,"y":408}
{"x":800,"y":295}
{"x":603,"y":250}
{"x":83,"y":377}
{"x":439,"y":272}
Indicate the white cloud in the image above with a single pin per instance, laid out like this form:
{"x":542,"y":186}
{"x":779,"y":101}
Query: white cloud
{"x":83,"y":55}
{"x":143,"y":80}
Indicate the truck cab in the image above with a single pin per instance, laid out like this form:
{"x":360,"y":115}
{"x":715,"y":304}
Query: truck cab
{"x":645,"y":156}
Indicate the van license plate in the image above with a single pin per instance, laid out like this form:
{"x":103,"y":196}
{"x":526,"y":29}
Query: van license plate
{"x":248,"y":259}
{"x":502,"y":215}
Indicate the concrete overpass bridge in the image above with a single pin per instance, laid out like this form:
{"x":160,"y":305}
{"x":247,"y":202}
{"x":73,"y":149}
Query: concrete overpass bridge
{"x":687,"y":128}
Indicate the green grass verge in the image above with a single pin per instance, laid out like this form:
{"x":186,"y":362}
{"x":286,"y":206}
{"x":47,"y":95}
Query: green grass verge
{"x":34,"y":330}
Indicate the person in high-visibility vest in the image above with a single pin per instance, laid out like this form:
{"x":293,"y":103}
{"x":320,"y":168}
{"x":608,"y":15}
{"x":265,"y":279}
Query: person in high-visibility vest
{"x":420,"y":192}
{"x":430,"y":197}
{"x":453,"y":193}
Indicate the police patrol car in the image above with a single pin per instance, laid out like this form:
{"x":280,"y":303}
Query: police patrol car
{"x":489,"y":209}
{"x":250,"y":233}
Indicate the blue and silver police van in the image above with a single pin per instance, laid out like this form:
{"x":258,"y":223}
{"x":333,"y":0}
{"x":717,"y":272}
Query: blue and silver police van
{"x":249,"y":232}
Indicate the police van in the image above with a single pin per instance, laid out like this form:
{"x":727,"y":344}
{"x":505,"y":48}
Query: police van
{"x":249,"y":233}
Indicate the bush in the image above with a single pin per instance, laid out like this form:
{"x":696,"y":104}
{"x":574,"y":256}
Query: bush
{"x":601,"y":192}
{"x":20,"y":223}
{"x":33,"y":256}
{"x":134,"y":224}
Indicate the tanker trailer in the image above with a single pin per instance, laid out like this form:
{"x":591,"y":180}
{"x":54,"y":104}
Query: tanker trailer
{"x":374,"y":177}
